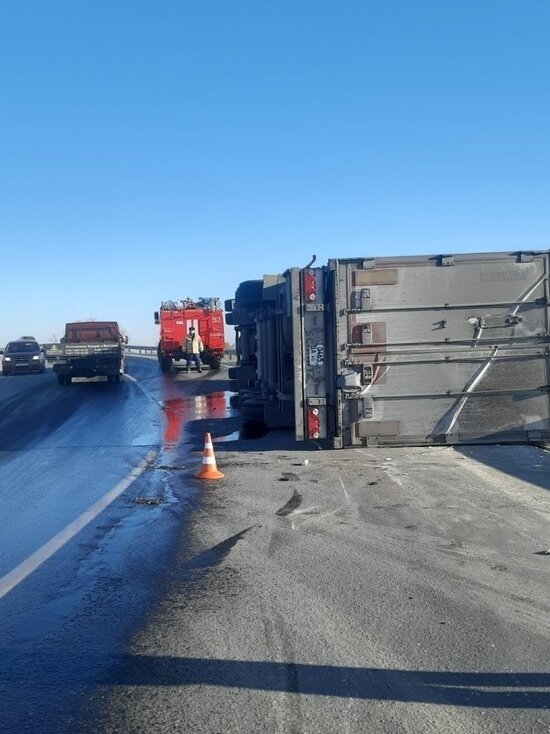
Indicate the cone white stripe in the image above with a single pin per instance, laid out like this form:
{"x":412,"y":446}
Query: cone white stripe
{"x":209,"y":446}
{"x":208,"y":460}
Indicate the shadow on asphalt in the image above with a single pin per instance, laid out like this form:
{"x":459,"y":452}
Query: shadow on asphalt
{"x":483,"y":690}
{"x":229,"y":435}
{"x":524,"y":462}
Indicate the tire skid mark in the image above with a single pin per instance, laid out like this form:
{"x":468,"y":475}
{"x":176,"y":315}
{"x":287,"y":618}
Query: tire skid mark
{"x":293,"y":503}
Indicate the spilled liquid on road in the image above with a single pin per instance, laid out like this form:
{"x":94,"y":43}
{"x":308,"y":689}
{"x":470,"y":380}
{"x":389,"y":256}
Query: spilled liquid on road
{"x":179,"y":411}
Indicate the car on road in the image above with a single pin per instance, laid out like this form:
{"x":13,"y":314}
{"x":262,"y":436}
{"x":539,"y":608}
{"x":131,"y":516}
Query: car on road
{"x":23,"y":355}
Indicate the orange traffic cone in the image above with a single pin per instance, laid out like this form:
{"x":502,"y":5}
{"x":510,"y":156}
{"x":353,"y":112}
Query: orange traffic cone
{"x":208,"y":470}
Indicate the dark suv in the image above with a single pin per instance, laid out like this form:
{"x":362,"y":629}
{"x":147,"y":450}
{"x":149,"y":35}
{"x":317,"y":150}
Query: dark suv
{"x":23,"y":356}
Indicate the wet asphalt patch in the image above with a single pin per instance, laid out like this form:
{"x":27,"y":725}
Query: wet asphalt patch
{"x":147,"y":500}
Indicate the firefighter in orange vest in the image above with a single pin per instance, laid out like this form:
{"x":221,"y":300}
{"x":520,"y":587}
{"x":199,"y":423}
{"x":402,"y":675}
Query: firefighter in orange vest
{"x":193,"y":349}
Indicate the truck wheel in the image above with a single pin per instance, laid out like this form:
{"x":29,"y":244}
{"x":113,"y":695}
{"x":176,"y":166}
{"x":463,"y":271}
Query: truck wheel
{"x":253,"y":410}
{"x":249,"y":293}
{"x":215,"y":361}
{"x":165,"y":364}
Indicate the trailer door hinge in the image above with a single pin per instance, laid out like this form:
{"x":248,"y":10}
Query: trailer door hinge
{"x":365,"y":408}
{"x":366,"y":376}
{"x":366,"y":334}
{"x":365,"y":302}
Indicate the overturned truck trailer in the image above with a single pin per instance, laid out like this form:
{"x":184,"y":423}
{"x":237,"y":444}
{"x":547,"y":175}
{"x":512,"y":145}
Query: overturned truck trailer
{"x":398,"y":351}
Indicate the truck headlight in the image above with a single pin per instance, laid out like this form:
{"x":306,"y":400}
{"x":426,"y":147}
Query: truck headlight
{"x":7,"y":359}
{"x":36,"y":356}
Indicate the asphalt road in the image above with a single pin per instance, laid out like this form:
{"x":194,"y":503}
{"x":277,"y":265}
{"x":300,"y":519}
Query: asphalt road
{"x":392,"y":590}
{"x":90,"y":511}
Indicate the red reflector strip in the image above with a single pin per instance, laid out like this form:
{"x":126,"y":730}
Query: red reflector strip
{"x":310,"y":283}
{"x":313,"y":423}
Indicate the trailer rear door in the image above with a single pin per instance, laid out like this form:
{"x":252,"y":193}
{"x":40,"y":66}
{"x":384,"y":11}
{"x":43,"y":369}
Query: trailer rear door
{"x":439,"y":350}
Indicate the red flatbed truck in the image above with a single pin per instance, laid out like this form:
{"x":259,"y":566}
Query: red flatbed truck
{"x":175,"y":318}
{"x":90,"y":349}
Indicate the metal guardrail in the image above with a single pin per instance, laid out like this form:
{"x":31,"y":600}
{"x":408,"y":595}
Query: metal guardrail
{"x":51,"y":351}
{"x":133,"y":349}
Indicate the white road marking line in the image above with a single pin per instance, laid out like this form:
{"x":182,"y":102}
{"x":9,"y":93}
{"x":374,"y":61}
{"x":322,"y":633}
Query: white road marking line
{"x":390,"y":470}
{"x":143,"y":390}
{"x":343,"y":485}
{"x":34,"y":561}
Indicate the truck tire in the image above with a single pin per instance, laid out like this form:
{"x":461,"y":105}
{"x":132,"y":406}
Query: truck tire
{"x":165,"y":364}
{"x":216,"y":361}
{"x":249,"y":293}
{"x":252,"y":410}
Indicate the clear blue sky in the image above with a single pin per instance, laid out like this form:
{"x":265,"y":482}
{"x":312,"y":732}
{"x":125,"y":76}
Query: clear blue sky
{"x":157,"y":150}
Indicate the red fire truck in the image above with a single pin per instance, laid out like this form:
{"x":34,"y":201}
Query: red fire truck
{"x":175,"y":318}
